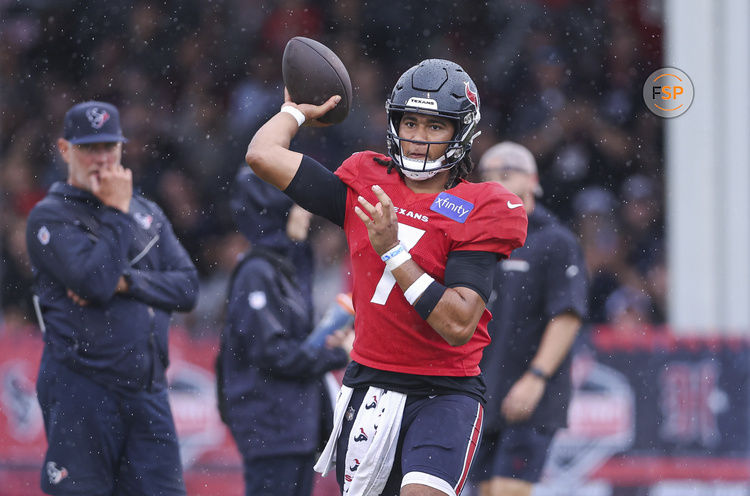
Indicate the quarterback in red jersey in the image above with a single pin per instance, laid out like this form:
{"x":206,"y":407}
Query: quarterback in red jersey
{"x":430,"y":228}
{"x":423,"y":243}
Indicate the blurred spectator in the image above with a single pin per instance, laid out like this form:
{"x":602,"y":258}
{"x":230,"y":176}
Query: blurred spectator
{"x":331,"y":275}
{"x":220,"y":256}
{"x":628,"y":310}
{"x":641,"y":214}
{"x":15,"y":274}
{"x":596,"y":218}
{"x":656,"y":286}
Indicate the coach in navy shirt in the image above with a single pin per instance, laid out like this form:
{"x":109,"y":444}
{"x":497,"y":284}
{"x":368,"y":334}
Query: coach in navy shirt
{"x":108,"y":273}
{"x":538,"y":303}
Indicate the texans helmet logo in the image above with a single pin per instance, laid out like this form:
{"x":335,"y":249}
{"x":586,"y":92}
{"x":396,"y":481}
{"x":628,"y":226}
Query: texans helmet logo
{"x":354,"y":467}
{"x":97,"y":117}
{"x":372,"y":405}
{"x":361,"y":436}
{"x":471,"y":95}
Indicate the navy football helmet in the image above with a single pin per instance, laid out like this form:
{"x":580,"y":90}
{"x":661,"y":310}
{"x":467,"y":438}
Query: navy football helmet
{"x":433,"y":87}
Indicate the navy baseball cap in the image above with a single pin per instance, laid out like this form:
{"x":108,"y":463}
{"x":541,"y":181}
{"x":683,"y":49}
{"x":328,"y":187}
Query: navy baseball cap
{"x":93,"y":122}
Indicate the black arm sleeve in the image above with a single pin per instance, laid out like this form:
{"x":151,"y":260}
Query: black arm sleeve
{"x":472,"y":269}
{"x":318,"y":190}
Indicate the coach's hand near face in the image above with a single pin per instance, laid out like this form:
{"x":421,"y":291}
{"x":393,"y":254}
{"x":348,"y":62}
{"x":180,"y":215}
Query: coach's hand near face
{"x":96,"y":167}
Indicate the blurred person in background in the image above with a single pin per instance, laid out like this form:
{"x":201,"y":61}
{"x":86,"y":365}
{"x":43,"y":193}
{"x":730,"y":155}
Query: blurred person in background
{"x":270,"y":380}
{"x":629,"y":310}
{"x":596,"y":219}
{"x":108,"y":273}
{"x":332,"y":266}
{"x":538,"y":303}
{"x":15,"y":276}
{"x":643,"y":233}
{"x":220,"y":254}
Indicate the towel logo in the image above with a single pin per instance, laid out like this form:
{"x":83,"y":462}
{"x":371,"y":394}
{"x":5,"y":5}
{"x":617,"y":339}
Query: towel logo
{"x":361,"y":436}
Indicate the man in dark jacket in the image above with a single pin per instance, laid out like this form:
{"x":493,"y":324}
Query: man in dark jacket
{"x":538,"y":303}
{"x":271,"y":393}
{"x":108,"y":273}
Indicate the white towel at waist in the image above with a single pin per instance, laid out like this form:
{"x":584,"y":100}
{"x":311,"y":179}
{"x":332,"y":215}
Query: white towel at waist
{"x":327,"y":459}
{"x":372,"y":442}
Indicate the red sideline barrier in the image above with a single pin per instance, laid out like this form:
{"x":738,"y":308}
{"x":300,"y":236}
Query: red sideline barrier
{"x":649,"y":410}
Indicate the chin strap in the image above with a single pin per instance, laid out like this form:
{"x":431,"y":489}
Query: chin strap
{"x":429,"y":169}
{"x":420,"y":176}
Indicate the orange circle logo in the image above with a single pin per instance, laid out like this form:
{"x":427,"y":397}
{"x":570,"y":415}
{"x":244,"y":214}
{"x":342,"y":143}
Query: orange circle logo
{"x":668,"y":92}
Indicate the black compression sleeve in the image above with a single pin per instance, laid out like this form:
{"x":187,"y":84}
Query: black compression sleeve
{"x":318,"y":190}
{"x":429,"y":299}
{"x":472,"y":269}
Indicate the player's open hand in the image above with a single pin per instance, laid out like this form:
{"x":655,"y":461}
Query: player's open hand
{"x":523,"y":398}
{"x":313,"y":112}
{"x":113,"y":185}
{"x":380,"y":220}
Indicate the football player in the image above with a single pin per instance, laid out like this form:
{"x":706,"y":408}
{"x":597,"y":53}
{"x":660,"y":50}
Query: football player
{"x":424,"y":243}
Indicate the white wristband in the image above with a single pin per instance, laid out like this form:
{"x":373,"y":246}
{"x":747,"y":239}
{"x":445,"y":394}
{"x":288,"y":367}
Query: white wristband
{"x":416,"y":289}
{"x":394,"y":257}
{"x":294,"y":112}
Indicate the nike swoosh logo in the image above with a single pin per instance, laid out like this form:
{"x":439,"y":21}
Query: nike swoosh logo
{"x":514,"y":205}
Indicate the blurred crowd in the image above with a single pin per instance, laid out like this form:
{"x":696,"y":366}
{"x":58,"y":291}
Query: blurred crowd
{"x":193,"y":80}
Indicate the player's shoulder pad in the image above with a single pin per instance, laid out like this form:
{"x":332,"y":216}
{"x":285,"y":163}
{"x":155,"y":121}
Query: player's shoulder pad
{"x":500,"y":215}
{"x":356,"y":165}
{"x":491,"y":191}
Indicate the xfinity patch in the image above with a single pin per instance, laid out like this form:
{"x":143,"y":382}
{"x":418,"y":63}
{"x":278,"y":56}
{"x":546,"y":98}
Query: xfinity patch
{"x":452,"y":207}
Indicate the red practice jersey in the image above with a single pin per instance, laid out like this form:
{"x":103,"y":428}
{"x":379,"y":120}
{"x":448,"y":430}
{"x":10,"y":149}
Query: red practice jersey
{"x":390,"y":335}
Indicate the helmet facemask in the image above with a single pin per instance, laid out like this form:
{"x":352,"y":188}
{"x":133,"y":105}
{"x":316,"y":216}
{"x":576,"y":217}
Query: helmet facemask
{"x":421,"y":169}
{"x":440,"y":88}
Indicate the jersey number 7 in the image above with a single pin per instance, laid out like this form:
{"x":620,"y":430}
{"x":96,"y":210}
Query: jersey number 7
{"x":409,"y":236}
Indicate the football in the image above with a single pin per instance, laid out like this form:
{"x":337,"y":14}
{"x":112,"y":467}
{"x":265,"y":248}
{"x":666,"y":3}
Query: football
{"x":313,"y":74}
